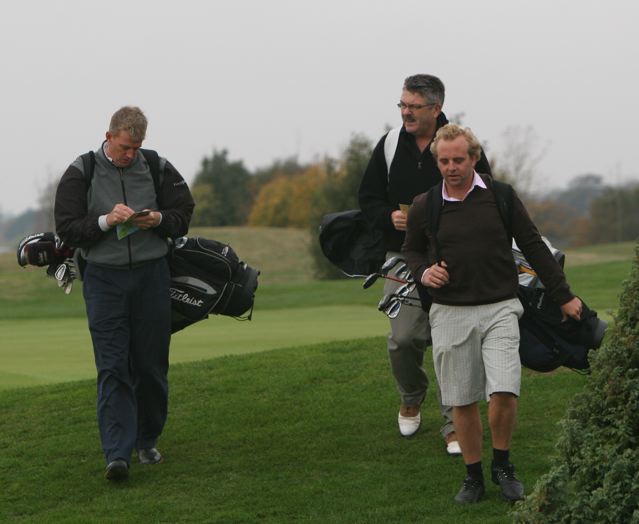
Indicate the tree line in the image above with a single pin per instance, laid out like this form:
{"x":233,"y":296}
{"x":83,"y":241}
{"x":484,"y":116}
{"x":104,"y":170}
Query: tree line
{"x":288,"y":193}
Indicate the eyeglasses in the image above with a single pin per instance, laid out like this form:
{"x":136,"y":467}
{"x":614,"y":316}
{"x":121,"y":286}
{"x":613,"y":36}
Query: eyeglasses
{"x":413,"y":107}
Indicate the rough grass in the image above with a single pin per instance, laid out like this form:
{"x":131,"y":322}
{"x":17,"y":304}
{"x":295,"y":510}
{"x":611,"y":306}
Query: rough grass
{"x":600,"y":253}
{"x":281,"y":254}
{"x":305,"y":434}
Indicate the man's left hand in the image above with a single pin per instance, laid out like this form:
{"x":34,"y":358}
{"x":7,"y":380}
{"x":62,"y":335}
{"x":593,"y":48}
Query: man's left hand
{"x":148,"y":221}
{"x":571,"y":309}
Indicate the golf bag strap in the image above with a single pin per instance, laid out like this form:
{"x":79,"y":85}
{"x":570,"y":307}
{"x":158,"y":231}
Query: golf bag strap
{"x":152,"y":158}
{"x":88,"y":164}
{"x":390,"y":147}
{"x":434,"y":203}
{"x":504,"y":200}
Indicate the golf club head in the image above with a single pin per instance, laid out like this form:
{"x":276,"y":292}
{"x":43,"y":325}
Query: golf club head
{"x":61,"y":273}
{"x":403,"y":272}
{"x":390,"y":264}
{"x":370,"y":280}
{"x":392,"y":309}
{"x":384,"y":302}
{"x":405,"y":290}
{"x":390,"y":305}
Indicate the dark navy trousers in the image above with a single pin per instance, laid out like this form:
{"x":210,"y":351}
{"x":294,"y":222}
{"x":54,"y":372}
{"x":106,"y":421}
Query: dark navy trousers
{"x":129,"y":313}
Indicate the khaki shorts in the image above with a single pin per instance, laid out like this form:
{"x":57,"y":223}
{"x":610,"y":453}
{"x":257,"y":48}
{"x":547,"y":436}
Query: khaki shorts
{"x":476,"y":350}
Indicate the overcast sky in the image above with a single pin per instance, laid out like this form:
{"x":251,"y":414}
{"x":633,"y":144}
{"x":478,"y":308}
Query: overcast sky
{"x":269,"y":79}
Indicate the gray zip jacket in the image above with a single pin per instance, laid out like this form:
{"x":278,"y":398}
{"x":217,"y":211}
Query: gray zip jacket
{"x":77,"y":210}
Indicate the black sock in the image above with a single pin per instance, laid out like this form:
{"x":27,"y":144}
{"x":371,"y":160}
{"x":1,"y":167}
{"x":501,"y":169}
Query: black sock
{"x":474,"y":471}
{"x":501,"y":457}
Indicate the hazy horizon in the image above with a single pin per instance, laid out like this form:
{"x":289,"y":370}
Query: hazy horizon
{"x":271,"y":80}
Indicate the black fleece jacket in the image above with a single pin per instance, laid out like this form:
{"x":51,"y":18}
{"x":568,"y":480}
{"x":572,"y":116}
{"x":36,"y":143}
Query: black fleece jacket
{"x":412,"y":172}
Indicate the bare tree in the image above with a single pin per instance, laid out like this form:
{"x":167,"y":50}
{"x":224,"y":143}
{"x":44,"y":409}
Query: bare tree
{"x":519,"y":158}
{"x":44,"y":220}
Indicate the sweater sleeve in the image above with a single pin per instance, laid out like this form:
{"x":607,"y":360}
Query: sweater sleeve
{"x":416,"y":248}
{"x":74,"y":225}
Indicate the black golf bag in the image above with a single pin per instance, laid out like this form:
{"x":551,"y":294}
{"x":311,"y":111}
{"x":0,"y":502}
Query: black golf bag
{"x":349,"y":242}
{"x":546,"y":341}
{"x":207,"y":277}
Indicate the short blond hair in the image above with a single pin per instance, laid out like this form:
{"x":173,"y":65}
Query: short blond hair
{"x":451,"y":132}
{"x":130,"y":119}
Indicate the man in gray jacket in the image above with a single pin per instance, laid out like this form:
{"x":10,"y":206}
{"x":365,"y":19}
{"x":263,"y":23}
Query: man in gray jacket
{"x":120,"y":215}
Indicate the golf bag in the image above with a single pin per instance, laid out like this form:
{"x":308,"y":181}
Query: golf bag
{"x":546,"y":341}
{"x":350,"y":243}
{"x":207,"y":277}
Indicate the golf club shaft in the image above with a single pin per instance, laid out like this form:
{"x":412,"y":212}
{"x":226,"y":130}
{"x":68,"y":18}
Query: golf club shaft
{"x":400,"y":280}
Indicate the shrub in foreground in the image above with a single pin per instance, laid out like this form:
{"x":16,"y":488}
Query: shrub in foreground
{"x":596,"y":476}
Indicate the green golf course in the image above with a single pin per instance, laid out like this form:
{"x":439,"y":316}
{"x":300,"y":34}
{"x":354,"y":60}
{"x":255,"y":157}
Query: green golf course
{"x":288,"y":417}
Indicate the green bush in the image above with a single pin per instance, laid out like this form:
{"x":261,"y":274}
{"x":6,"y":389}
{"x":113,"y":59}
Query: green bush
{"x":596,"y":476}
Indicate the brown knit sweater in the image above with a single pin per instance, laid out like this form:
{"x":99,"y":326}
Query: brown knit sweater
{"x":474,"y":244}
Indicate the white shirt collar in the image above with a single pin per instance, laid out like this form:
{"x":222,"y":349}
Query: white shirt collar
{"x":477,"y":182}
{"x":104,"y":150}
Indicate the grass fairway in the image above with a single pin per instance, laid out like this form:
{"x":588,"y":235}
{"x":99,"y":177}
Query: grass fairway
{"x":35,"y":352}
{"x":305,"y":434}
{"x":45,"y":337}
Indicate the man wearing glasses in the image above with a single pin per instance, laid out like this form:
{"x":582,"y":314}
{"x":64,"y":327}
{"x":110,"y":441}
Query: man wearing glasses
{"x":402,"y":167}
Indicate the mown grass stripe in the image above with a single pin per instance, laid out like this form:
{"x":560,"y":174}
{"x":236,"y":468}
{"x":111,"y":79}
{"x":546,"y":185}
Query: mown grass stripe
{"x":47,"y":351}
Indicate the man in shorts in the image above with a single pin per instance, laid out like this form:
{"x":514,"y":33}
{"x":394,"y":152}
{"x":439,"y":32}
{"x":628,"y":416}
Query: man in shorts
{"x":468,"y":268}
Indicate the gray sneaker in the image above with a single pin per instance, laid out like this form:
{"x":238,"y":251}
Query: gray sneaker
{"x":472,"y":490}
{"x":149,"y":456}
{"x":117,"y":470}
{"x":511,"y":487}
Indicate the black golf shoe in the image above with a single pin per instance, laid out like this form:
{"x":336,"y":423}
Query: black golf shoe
{"x":511,"y":487}
{"x":471,"y":491}
{"x":117,"y":470}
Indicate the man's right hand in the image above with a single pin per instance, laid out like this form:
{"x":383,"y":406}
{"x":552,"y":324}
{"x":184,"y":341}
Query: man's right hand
{"x":398,"y":218}
{"x":119,"y":214}
{"x":436,"y":275}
